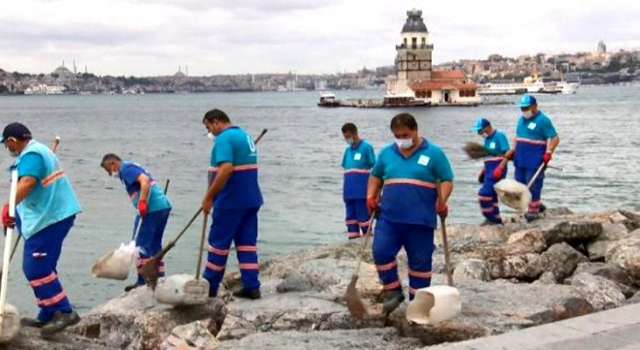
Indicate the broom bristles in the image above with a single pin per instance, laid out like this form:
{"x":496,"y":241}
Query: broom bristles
{"x":475,"y":150}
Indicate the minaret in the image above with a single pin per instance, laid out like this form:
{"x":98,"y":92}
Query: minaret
{"x":413,"y":58}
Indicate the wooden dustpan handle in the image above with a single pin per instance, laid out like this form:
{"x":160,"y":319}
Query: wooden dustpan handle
{"x":204,"y":231}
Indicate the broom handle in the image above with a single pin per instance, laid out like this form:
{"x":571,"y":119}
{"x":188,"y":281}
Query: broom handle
{"x":366,"y":241}
{"x":445,"y":242}
{"x":535,"y":176}
{"x":173,"y":242}
{"x":204,"y":231}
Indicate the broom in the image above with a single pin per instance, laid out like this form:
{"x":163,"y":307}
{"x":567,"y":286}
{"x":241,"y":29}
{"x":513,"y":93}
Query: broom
{"x":354,"y":302}
{"x":150,"y":270}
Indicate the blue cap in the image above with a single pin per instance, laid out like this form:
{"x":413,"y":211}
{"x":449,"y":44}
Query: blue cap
{"x":480,"y":124}
{"x":16,"y":130}
{"x":526,"y":101}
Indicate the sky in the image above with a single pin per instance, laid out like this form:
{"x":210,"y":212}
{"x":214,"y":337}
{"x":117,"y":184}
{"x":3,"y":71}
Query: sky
{"x":148,"y":38}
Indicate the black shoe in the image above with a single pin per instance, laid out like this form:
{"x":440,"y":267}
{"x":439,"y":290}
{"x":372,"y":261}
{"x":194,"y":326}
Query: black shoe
{"x":31,"y":322}
{"x":392,"y":299}
{"x":542,"y":208}
{"x":59,"y":322}
{"x":132,"y":287}
{"x":530,"y":216}
{"x":252,"y":294}
{"x":213,"y":294}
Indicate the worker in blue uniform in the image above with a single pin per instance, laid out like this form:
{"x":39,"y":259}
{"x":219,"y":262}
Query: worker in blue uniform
{"x":410,"y":185}
{"x":536,"y":140}
{"x":357,"y":161}
{"x":46,"y":207}
{"x":496,"y":144}
{"x":235,"y":195}
{"x":152,"y":205}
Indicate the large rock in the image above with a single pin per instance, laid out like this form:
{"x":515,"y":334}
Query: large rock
{"x":626,"y":254}
{"x":528,"y":241}
{"x":498,"y":307}
{"x":561,"y":259}
{"x":196,"y":335}
{"x":330,"y":276}
{"x":136,"y":321}
{"x":373,"y":339}
{"x":300,"y":311}
{"x":556,"y":230}
{"x":611,"y":233}
{"x":611,"y":272}
{"x":599,"y":291}
{"x":633,"y":216}
{"x":525,"y":266}
{"x":473,"y":269}
{"x":29,"y":339}
{"x":464,"y":238}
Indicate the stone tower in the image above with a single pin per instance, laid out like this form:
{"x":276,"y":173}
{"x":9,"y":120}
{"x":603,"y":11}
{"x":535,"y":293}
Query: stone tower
{"x":413,"y":58}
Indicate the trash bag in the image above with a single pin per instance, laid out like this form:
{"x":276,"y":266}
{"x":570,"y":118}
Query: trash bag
{"x":513,"y":194}
{"x":434,"y":304}
{"x":115,"y":264}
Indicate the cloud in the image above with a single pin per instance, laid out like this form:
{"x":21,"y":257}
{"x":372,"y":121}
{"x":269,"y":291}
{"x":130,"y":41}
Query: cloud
{"x":144,"y":37}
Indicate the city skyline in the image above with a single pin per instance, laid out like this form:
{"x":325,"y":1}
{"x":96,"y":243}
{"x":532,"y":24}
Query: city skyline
{"x":151,"y":38}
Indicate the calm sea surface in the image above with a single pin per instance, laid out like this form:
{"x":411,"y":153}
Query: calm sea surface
{"x":300,"y":159}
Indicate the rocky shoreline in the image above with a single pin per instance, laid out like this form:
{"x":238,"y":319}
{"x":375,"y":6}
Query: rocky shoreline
{"x":510,"y":277}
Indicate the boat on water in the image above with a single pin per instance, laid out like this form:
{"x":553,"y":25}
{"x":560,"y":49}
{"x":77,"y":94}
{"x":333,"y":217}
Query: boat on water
{"x":328,"y":100}
{"x":393,"y":101}
{"x":529,"y":85}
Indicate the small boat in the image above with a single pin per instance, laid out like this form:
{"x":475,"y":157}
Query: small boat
{"x":328,"y":100}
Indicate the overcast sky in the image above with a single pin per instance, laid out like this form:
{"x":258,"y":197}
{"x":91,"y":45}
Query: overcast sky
{"x":147,"y":37}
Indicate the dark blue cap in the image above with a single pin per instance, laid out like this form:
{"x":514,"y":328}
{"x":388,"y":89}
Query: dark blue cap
{"x":15,"y":130}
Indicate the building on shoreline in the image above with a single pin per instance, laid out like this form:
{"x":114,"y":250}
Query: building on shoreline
{"x":414,"y":70}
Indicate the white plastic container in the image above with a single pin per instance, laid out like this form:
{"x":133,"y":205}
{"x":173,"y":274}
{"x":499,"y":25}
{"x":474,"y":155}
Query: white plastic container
{"x":10,"y":323}
{"x":513,"y":194}
{"x":182,"y":289}
{"x":115,"y":265}
{"x":434,"y":304}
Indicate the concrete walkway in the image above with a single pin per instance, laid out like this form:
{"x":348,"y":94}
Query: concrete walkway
{"x":617,"y":329}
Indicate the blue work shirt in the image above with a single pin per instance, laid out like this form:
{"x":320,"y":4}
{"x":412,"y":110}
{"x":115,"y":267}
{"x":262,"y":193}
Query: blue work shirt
{"x":32,"y":165}
{"x":129,"y":173}
{"x":532,"y":136}
{"x":357,"y":161}
{"x":234,"y":145}
{"x":498,"y":144}
{"x":409,"y":192}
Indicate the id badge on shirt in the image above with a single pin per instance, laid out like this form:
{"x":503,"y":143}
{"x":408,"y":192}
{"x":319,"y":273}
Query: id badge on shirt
{"x":357,"y":156}
{"x":492,"y":145}
{"x":531,"y":126}
{"x":423,"y":160}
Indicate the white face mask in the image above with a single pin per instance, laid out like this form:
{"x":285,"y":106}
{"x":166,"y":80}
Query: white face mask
{"x":210,"y":136}
{"x":350,"y":141}
{"x":527,"y":114}
{"x":115,"y":174}
{"x":404,"y":143}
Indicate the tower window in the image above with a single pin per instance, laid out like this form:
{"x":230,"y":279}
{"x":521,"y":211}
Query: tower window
{"x":414,"y":42}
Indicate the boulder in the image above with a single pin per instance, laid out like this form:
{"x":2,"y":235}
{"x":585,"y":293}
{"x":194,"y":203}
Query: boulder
{"x":626,"y":254}
{"x":600,"y":292}
{"x":611,"y":272}
{"x":547,"y":277}
{"x":464,"y":238}
{"x":29,"y":339}
{"x":611,"y":233}
{"x":471,"y":269}
{"x":196,"y":335}
{"x":525,"y":266}
{"x":136,"y":321}
{"x":556,"y":230}
{"x":373,"y":339}
{"x":528,"y":241}
{"x":561,"y":259}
